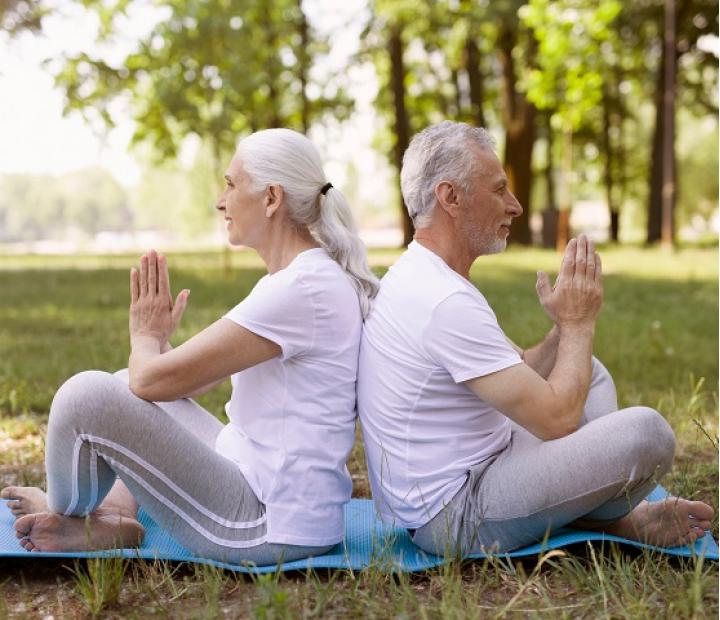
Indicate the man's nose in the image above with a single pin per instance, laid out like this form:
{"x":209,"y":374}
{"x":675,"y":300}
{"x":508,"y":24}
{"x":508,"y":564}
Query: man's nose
{"x":514,"y":207}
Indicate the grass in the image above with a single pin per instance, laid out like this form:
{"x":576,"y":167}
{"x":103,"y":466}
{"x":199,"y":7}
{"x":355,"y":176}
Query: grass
{"x":658,"y":335}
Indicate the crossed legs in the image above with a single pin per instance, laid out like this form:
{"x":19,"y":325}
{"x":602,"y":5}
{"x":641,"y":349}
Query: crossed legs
{"x":596,"y":478}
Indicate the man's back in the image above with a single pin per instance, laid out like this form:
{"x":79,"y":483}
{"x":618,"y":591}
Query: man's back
{"x":429,"y":331}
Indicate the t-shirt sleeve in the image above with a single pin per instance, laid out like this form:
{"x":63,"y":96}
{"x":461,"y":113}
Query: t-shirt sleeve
{"x":280,"y":309}
{"x":463,"y":336}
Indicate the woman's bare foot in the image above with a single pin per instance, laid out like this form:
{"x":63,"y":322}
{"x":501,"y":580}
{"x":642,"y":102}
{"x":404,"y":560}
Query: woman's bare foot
{"x":48,"y":531}
{"x":24,"y":500}
{"x":667,"y":523}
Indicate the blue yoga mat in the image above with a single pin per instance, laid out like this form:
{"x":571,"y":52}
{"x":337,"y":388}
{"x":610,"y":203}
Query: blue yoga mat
{"x":368,"y":541}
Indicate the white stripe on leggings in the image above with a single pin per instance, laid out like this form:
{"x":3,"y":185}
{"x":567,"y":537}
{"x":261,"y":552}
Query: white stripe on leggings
{"x":155,"y":472}
{"x":75,"y":497}
{"x":236,"y":544}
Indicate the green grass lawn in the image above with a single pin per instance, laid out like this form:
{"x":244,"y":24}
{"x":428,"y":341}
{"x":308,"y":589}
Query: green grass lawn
{"x":658,"y":335}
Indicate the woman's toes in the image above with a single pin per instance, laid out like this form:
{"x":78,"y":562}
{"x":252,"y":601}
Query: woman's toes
{"x":8,"y":493}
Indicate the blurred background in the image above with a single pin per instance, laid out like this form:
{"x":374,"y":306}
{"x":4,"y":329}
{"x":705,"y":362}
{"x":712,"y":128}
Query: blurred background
{"x":118,"y":117}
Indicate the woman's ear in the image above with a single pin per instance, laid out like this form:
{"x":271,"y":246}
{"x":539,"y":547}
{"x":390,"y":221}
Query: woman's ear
{"x":274,"y":196}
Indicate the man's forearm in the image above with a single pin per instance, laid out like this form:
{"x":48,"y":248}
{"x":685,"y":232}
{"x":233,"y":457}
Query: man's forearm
{"x":541,"y":357}
{"x":571,"y":374}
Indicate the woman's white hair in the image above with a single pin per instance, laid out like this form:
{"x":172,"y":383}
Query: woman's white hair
{"x":287,"y":158}
{"x":438,"y":153}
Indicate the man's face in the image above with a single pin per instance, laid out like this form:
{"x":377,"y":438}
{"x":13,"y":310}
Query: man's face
{"x":488,"y":207}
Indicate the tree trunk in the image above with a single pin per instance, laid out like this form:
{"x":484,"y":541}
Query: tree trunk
{"x":655,"y":198}
{"x":519,"y":119}
{"x":550,"y":215}
{"x":303,"y":65}
{"x":667,"y":232}
{"x":563,"y":234}
{"x":272,"y":74}
{"x":402,"y":123}
{"x":609,"y":177}
{"x":475,"y":79}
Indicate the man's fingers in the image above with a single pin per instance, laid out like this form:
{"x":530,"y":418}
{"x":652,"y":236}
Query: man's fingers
{"x":567,"y":268}
{"x":543,"y":286}
{"x":143,"y":274}
{"x":134,"y":285}
{"x":163,"y":278}
{"x":152,"y":273}
{"x":580,"y":258}
{"x":180,"y":305}
{"x":590,"y":261}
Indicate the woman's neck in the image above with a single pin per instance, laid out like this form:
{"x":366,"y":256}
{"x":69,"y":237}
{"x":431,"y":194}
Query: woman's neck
{"x":283,"y":246}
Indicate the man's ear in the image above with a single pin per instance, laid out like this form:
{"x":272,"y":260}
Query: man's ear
{"x":447,"y":197}
{"x":274,"y":196}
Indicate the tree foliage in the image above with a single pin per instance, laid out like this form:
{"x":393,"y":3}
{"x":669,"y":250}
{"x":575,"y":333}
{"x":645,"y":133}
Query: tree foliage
{"x":213,"y":68}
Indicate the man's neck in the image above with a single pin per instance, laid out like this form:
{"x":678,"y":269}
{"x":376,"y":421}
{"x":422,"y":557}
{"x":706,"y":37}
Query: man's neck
{"x":455,"y":255}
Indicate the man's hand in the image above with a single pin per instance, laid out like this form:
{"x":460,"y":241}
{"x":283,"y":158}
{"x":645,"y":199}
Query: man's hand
{"x":576,"y":298}
{"x":152,"y":312}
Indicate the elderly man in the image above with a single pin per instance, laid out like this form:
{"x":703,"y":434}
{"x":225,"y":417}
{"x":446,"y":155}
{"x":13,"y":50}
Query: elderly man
{"x":471,"y":442}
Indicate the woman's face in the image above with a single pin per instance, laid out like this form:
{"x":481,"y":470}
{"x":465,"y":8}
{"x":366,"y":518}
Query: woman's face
{"x":241,"y":207}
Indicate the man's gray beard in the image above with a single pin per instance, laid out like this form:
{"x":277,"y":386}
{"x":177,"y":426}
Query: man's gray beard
{"x":483,"y":243}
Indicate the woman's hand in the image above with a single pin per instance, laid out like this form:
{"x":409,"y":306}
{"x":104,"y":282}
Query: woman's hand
{"x":576,"y":298}
{"x":152,"y":312}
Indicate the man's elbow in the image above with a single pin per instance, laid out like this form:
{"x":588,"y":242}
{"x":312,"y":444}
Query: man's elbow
{"x":559,"y":424}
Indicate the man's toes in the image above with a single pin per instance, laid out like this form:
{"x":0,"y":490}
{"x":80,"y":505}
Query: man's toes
{"x":701,"y":511}
{"x":27,"y":544}
{"x":24,"y":524}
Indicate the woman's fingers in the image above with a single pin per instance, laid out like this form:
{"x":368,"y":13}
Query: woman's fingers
{"x":598,"y":269}
{"x":134,"y":285}
{"x":143,"y":275}
{"x":179,"y":307}
{"x":152,"y":273}
{"x":163,"y":278}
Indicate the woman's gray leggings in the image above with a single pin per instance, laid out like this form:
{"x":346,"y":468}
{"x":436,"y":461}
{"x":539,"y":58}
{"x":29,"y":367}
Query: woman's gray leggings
{"x":164,"y":452}
{"x":595,"y":475}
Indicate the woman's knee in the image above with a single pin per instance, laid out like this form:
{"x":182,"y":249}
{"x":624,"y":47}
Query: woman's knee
{"x":85,"y":394}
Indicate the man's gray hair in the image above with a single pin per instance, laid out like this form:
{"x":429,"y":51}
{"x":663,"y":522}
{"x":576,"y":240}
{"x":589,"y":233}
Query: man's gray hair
{"x":438,"y":153}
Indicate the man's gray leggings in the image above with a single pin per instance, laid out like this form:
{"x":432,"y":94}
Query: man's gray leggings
{"x":164,"y":452}
{"x":593,"y":476}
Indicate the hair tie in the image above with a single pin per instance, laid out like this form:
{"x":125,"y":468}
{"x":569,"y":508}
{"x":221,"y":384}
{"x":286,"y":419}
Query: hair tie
{"x":325,"y":188}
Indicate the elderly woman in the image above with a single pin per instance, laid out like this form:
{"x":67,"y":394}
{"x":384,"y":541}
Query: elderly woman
{"x":271,"y":484}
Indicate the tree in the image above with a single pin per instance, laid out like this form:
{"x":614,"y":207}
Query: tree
{"x":211,"y":68}
{"x":568,"y":78}
{"x":18,"y":16}
{"x":695,"y":71}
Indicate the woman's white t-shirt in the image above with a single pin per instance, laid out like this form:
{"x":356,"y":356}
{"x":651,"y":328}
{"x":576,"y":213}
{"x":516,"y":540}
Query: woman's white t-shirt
{"x":292,"y":418}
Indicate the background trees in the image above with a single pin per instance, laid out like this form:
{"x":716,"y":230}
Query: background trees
{"x":572,"y":89}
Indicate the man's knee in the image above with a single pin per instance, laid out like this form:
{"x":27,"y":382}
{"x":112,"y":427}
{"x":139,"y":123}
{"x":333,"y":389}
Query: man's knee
{"x":599,"y":372}
{"x":649,"y":437}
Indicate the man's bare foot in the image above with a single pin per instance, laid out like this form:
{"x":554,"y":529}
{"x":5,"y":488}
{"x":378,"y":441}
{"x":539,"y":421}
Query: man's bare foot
{"x":24,"y":500}
{"x":47,"y":531}
{"x":667,"y":523}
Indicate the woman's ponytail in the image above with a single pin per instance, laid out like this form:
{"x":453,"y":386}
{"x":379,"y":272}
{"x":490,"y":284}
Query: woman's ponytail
{"x":336,"y":231}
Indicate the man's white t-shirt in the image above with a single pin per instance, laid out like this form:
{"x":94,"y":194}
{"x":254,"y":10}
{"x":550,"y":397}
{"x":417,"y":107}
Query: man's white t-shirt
{"x":292,"y":418}
{"x":429,"y":330}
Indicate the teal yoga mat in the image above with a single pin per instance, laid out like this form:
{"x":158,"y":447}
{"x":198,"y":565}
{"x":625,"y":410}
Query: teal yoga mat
{"x":368,"y":541}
